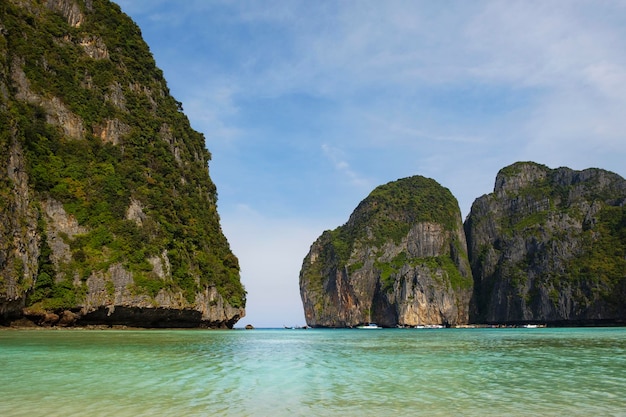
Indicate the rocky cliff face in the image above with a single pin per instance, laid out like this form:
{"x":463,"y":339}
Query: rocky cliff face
{"x":108,"y":214}
{"x":549,"y":245}
{"x":399,"y":260}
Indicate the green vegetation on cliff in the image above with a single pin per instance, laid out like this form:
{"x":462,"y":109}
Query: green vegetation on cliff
{"x":549,"y":245}
{"x":133,"y":144}
{"x":602,"y":265}
{"x":400,"y":259}
{"x":390,"y":210}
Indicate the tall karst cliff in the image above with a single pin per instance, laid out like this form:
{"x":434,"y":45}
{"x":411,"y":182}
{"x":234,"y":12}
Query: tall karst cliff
{"x":549,"y":245}
{"x":107,"y":210}
{"x":400,"y":259}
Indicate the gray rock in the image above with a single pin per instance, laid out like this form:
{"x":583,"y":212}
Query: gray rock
{"x":534,"y":246}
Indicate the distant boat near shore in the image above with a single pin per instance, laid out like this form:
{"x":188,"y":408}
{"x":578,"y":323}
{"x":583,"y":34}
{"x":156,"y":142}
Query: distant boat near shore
{"x":430,"y":326}
{"x":369,"y":326}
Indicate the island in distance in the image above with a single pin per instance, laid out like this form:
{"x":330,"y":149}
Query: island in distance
{"x":547,"y":246}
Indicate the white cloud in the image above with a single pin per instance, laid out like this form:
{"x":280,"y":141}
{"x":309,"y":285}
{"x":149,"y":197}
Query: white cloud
{"x":451,"y":90}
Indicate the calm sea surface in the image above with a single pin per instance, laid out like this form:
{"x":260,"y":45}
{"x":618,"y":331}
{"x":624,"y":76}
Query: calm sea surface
{"x":399,"y":372}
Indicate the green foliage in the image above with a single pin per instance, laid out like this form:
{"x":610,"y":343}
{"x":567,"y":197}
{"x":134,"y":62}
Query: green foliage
{"x":596,"y":267}
{"x":389,"y":270}
{"x":52,"y":295}
{"x":47,"y":292}
{"x":97,"y":181}
{"x":326,"y":264}
{"x":387,"y":215}
{"x":342,"y":241}
{"x":450,"y":274}
{"x":148,"y":285}
{"x":44,"y":283}
{"x":515,"y":169}
{"x":531,"y":221}
{"x":390,"y":210}
{"x":602,"y":265}
{"x":352,"y":268}
{"x":412,"y":200}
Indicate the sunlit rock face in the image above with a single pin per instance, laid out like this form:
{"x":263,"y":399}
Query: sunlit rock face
{"x":400,"y":260}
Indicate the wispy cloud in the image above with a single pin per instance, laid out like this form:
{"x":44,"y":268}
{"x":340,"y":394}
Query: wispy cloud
{"x":337,"y":157}
{"x":572,"y":54}
{"x":307,"y":106}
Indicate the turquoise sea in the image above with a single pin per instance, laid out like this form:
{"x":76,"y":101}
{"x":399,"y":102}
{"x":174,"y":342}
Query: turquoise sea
{"x":390,"y":372}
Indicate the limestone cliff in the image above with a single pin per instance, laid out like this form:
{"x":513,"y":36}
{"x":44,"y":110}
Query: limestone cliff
{"x":549,"y":245}
{"x":399,"y":260}
{"x":107,"y":211}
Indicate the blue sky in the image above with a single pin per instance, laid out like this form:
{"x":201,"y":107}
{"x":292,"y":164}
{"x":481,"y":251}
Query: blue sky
{"x":307,"y":106}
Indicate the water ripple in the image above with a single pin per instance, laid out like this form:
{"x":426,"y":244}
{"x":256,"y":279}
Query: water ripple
{"x":480,"y":372}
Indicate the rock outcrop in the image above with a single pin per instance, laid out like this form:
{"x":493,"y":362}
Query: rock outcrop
{"x":400,"y":260}
{"x":107,"y":211}
{"x":549,"y":245}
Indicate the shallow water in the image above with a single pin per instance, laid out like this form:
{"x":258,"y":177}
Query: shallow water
{"x":400,"y":372}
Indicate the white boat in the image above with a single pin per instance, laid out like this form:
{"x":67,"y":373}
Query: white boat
{"x":430,"y":326}
{"x":369,"y":326}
